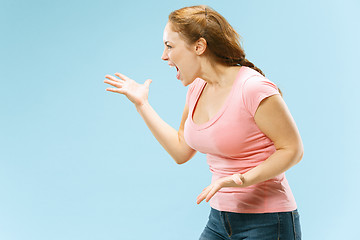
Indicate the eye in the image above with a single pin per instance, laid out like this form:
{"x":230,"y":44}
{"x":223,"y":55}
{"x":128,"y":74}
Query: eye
{"x":168,"y":46}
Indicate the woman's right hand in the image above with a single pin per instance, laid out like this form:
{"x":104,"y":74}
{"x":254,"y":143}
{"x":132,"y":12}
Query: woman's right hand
{"x":135,"y":92}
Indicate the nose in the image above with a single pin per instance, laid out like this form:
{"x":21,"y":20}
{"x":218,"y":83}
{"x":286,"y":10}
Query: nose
{"x":164,"y":55}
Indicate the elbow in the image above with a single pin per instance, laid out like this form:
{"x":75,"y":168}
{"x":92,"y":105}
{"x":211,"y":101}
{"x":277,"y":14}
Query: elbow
{"x":300,"y":156}
{"x":184,"y":155}
{"x":294,"y":153}
{"x":183,"y":158}
{"x":181,"y":161}
{"x":177,"y":160}
{"x":299,"y":153}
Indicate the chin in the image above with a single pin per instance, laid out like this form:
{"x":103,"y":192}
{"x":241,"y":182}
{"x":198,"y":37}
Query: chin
{"x":185,"y":83}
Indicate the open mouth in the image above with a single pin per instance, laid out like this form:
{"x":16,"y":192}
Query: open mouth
{"x":177,"y":73}
{"x":177,"y":70}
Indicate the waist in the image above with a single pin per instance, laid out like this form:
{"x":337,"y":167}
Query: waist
{"x":273,"y":195}
{"x":275,"y":184}
{"x":225,"y":166}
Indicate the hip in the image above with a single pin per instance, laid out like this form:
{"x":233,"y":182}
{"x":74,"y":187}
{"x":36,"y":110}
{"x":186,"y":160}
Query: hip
{"x":252,"y":226}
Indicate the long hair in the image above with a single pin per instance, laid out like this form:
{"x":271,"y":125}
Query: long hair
{"x":222,"y":40}
{"x":195,"y":22}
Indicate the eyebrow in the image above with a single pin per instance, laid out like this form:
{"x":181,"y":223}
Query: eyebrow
{"x":166,"y":42}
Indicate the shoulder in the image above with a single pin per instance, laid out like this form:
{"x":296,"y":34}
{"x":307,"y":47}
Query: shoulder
{"x":256,"y":88}
{"x":254,"y":82}
{"x":196,"y":82}
{"x":194,"y":87}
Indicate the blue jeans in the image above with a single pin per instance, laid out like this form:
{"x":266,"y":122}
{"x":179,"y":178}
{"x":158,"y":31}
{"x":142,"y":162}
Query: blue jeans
{"x":252,"y":226}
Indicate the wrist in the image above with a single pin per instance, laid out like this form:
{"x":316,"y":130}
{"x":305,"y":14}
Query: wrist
{"x":248,"y":180}
{"x":142,"y":105}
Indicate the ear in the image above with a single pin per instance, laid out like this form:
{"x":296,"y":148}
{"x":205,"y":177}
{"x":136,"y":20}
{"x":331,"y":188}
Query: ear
{"x":200,"y":46}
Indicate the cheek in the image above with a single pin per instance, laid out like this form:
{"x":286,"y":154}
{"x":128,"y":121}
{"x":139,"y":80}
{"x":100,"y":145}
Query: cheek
{"x":189,"y":60}
{"x":193,"y":65}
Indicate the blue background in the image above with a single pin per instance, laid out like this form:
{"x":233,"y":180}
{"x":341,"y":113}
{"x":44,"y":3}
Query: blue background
{"x":77,"y":162}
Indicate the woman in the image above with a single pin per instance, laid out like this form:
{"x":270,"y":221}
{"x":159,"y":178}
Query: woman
{"x":234,"y":115}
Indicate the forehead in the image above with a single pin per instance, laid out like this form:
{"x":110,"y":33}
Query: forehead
{"x":169,"y":34}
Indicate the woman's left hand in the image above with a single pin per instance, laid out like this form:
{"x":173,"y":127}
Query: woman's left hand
{"x":235,"y":180}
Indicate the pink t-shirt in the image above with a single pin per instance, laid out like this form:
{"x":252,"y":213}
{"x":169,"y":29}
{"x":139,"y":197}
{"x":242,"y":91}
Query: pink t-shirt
{"x":234,"y":144}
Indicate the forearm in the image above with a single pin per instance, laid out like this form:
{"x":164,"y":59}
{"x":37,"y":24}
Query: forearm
{"x":277,"y":163}
{"x":166,"y":135}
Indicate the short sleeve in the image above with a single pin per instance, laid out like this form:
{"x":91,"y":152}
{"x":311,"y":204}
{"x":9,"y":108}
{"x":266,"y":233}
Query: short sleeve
{"x":256,"y":89}
{"x":190,"y":91}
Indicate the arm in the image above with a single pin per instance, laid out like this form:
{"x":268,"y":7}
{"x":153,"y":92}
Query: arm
{"x":172,"y":140}
{"x":275,"y":121}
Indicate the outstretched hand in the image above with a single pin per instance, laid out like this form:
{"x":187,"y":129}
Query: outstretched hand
{"x":235,"y":180}
{"x":135,"y":92}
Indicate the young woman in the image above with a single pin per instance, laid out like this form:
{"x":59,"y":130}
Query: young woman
{"x":237,"y":117}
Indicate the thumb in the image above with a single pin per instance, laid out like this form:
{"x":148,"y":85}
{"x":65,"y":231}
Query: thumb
{"x":147,"y":82}
{"x":237,"y":178}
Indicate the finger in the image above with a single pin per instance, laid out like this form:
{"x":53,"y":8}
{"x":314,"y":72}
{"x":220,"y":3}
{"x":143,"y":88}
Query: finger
{"x":200,"y":198}
{"x":212,"y":192}
{"x":122,"y":76}
{"x":117,"y":90}
{"x":147,"y":82}
{"x":203,"y":194}
{"x":113,"y":78}
{"x":206,"y":188}
{"x":113,"y":83}
{"x":237,"y":178}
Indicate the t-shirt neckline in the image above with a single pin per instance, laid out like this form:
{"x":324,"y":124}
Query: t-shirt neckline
{"x":222,"y":109}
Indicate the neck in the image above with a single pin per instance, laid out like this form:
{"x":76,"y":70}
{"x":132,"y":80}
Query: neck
{"x":217,"y":75}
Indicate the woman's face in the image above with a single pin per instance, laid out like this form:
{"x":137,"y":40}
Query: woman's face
{"x":181,"y":56}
